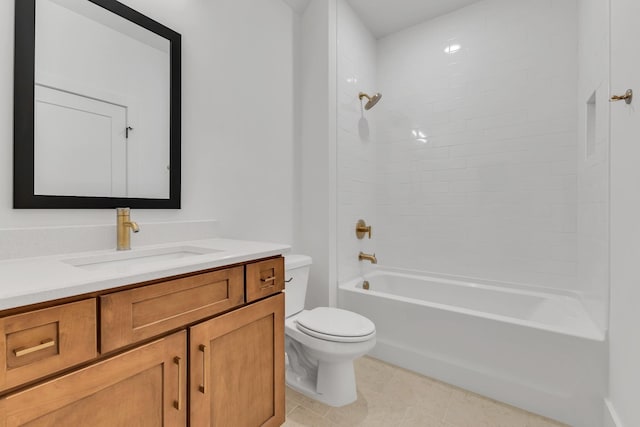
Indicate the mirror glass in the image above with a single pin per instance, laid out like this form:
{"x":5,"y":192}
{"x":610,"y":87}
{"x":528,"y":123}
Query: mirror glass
{"x":104,"y":108}
{"x":101,"y":104}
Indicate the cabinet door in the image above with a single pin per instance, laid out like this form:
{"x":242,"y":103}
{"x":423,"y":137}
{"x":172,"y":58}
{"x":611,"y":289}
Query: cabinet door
{"x":142,"y":387}
{"x":237,"y":367}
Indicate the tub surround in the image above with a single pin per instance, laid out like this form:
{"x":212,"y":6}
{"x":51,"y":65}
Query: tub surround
{"x":38,"y":279}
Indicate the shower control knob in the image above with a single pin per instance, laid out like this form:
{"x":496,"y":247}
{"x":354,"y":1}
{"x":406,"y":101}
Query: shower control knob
{"x":362,"y":228}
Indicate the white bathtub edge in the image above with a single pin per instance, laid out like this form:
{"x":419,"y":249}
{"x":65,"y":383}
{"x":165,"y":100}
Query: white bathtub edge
{"x":593,"y":334}
{"x":526,"y":396}
{"x":611,"y":418}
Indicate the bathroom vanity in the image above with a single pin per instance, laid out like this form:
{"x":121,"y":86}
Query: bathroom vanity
{"x":193,"y":337}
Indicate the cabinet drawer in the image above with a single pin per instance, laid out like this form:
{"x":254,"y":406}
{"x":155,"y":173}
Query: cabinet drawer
{"x":136,"y":314}
{"x":41,"y":342}
{"x":265,"y":278}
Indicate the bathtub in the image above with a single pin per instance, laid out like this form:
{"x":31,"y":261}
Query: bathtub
{"x":536,"y":350}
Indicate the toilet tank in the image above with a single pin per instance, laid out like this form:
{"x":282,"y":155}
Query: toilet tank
{"x":296,"y":276}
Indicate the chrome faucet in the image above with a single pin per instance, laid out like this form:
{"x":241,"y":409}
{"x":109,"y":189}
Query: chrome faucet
{"x":125,"y":226}
{"x":362,"y":256}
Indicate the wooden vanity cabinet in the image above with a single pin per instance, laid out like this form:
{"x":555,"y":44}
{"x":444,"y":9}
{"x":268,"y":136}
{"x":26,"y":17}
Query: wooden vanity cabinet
{"x":232,"y":374}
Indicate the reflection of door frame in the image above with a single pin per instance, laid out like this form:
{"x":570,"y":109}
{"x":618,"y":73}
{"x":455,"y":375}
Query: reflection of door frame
{"x":61,"y":83}
{"x":56,"y":159}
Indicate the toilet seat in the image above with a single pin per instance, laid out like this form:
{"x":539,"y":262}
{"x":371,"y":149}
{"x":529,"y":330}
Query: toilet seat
{"x":334,"y":324}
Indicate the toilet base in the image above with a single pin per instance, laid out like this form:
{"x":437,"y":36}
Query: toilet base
{"x":335,"y":384}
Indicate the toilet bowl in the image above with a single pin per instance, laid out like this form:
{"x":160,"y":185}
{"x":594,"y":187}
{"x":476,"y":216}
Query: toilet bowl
{"x":321,"y":344}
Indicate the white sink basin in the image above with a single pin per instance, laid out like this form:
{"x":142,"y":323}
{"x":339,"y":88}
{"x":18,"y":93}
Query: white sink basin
{"x":126,"y":260}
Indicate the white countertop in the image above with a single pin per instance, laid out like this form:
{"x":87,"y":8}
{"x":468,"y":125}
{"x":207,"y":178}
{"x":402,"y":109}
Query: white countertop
{"x":32,"y":280}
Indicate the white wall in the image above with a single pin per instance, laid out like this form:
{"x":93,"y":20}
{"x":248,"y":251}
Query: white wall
{"x":356,"y":137}
{"x":237,"y":105}
{"x":316,"y":234}
{"x":624,"y":350}
{"x":492,"y":193}
{"x":593,"y":161}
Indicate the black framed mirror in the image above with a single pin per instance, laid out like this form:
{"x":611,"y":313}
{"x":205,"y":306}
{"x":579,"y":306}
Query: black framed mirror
{"x":97,"y":107}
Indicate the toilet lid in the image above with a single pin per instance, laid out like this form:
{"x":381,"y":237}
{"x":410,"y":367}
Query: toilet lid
{"x":334,"y":324}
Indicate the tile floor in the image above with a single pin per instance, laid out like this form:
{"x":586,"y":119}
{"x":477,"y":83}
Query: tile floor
{"x":394,"y":397}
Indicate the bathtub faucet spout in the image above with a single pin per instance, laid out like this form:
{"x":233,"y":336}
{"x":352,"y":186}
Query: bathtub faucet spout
{"x":362,"y":256}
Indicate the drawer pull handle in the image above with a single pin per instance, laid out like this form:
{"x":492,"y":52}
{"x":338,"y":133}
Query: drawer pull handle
{"x":268,"y":279}
{"x":178,"y":403}
{"x":202,"y":387}
{"x":22,"y":351}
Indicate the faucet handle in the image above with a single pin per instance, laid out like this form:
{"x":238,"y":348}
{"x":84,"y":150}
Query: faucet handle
{"x":362,"y":228}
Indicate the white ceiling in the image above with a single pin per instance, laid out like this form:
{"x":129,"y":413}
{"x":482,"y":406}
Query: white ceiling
{"x":384,"y":17}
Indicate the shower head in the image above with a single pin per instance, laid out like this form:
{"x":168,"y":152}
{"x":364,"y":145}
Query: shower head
{"x":373,"y":100}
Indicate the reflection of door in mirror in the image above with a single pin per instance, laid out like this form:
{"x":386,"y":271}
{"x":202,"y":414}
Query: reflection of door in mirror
{"x":96,"y":74}
{"x":76,"y":136}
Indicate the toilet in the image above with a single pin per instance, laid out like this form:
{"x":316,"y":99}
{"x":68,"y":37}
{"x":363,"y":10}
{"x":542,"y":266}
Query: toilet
{"x":321,"y":344}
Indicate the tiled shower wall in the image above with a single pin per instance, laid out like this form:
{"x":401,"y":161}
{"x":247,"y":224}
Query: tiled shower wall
{"x":356,"y":139}
{"x":475,"y":170}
